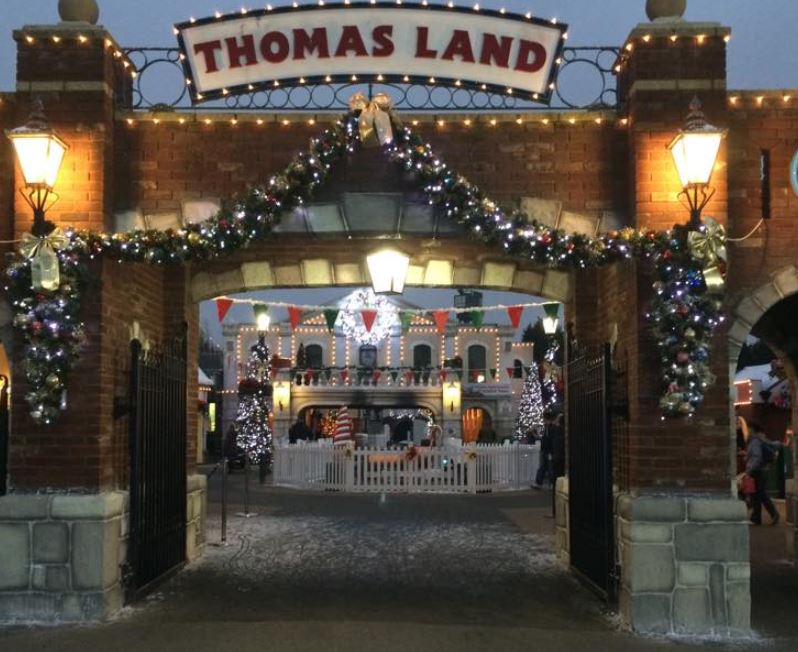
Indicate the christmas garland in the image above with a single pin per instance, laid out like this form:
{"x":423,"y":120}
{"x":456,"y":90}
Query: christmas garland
{"x":684,"y":312}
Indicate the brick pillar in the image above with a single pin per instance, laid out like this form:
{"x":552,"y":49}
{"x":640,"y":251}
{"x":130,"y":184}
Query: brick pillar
{"x":683,"y":540}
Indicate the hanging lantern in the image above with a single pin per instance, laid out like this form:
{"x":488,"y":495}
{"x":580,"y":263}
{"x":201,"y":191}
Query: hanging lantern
{"x":551,"y":318}
{"x":388,"y":271}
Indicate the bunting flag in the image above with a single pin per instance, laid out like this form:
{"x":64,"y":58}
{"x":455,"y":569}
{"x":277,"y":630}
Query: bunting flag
{"x":376,"y":375}
{"x":515,"y":313}
{"x":222,"y":307}
{"x":330,"y":316}
{"x":510,"y":372}
{"x":344,"y":375}
{"x":409,"y":377}
{"x":477,"y":317}
{"x":493,"y":373}
{"x":442,"y":374}
{"x":441,"y":318}
{"x":405,"y":318}
{"x":394,"y":376}
{"x":294,"y":314}
{"x":368,"y":315}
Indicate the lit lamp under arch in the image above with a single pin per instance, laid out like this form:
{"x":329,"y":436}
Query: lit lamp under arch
{"x":40,"y":152}
{"x":695,"y":151}
{"x":551,"y":318}
{"x":388,"y":271}
{"x":262,"y":318}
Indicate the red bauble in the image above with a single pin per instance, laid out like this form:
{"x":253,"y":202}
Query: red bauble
{"x":667,"y":254}
{"x":682,"y":357}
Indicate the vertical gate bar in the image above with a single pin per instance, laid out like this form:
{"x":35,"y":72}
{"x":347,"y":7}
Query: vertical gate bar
{"x":4,"y":434}
{"x":134,"y":404}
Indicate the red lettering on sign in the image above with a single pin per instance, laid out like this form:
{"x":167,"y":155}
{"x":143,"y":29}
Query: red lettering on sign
{"x":494,"y":51}
{"x":351,"y":41}
{"x":382,"y":39}
{"x":422,"y":51}
{"x":208,"y":52}
{"x":274,"y":47}
{"x":459,"y":46}
{"x":245,"y":50}
{"x":315,"y":42}
{"x":531,"y":49}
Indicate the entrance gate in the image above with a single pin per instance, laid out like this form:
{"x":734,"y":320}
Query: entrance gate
{"x":157,"y":462}
{"x":592,"y":541}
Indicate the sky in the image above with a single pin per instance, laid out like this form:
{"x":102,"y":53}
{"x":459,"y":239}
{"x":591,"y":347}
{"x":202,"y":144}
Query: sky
{"x":758,"y":58}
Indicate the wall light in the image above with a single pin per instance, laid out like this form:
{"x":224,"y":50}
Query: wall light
{"x":388,"y":270}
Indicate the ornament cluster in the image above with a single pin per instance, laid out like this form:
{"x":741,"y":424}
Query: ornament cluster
{"x":683,"y":314}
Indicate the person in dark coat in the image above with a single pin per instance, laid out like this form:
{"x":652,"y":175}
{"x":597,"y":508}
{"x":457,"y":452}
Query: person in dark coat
{"x":760,"y":454}
{"x":299,"y":431}
{"x":544,"y":468}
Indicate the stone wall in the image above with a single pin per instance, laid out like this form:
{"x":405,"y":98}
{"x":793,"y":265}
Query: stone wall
{"x":196,"y":515}
{"x":562,"y":517}
{"x":684,"y":565}
{"x":61,"y":556}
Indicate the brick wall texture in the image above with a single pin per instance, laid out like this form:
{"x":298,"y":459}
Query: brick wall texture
{"x":590,"y":166}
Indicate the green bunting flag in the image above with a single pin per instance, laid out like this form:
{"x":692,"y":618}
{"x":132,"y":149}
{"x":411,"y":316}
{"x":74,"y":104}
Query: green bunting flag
{"x":405,"y":318}
{"x":330,"y":316}
{"x":477,"y":317}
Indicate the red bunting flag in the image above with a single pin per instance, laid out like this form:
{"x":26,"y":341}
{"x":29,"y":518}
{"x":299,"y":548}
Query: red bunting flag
{"x":511,"y":372}
{"x":369,"y":316}
{"x":344,"y":376}
{"x":441,"y":318}
{"x":514,"y":313}
{"x":443,"y":376}
{"x":409,"y":377}
{"x":294,"y":314}
{"x":376,"y":374}
{"x":222,"y":307}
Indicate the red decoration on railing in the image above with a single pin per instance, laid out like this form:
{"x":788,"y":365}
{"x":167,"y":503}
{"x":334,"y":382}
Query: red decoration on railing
{"x":344,"y":375}
{"x":442,"y":375}
{"x":409,"y":377}
{"x":510,"y":372}
{"x":376,"y":374}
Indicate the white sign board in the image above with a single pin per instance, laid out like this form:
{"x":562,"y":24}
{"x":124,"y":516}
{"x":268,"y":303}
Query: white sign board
{"x":286,"y":46}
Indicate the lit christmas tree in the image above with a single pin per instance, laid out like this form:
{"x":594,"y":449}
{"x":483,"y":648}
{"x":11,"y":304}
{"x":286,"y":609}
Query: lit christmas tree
{"x":254,"y":395}
{"x":530,"y":408}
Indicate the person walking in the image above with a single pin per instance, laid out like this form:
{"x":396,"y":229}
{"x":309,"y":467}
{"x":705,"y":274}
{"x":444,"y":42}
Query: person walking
{"x":299,"y":431}
{"x":544,"y":468}
{"x":760,"y":454}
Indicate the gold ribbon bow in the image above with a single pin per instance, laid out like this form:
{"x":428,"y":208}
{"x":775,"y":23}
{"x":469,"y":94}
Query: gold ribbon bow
{"x":31,"y":244}
{"x":709,"y":246}
{"x":376,"y":119}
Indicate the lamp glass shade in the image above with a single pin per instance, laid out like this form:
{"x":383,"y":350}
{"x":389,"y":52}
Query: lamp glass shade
{"x":40,"y":155}
{"x":551,"y":318}
{"x":262,"y":318}
{"x":388,"y":271}
{"x":694,"y":154}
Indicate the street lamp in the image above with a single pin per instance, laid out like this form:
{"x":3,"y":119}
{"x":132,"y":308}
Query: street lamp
{"x":40,"y":153}
{"x":262,"y":318}
{"x":551,"y":318}
{"x":388,"y":271}
{"x":695,"y":151}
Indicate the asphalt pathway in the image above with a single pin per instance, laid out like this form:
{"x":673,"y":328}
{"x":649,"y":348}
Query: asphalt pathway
{"x":331,"y":572}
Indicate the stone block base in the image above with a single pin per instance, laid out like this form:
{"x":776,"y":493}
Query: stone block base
{"x":196,"y":512}
{"x":561,"y":521}
{"x":61,"y":556}
{"x":684,"y":565}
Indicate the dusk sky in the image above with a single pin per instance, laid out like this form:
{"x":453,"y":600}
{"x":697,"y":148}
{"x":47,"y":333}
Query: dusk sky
{"x":758,"y":58}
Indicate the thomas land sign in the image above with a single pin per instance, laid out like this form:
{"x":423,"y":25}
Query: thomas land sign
{"x":479,"y":49}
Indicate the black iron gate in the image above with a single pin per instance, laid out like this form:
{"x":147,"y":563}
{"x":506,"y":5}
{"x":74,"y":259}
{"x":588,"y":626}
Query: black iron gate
{"x":590,"y":468}
{"x":157,"y":463}
{"x":4,"y":387}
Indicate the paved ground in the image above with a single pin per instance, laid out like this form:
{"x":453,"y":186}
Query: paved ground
{"x":428,"y":573}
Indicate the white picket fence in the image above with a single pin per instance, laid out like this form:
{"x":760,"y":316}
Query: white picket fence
{"x":449,"y":469}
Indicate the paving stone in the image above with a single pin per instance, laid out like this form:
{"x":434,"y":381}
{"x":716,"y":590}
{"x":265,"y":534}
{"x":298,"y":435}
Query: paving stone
{"x":691,"y":612}
{"x":711,"y":542}
{"x":50,"y":542}
{"x":649,"y":568}
{"x":14,"y":556}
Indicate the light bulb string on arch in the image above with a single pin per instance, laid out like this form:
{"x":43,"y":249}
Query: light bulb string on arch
{"x":684,"y":311}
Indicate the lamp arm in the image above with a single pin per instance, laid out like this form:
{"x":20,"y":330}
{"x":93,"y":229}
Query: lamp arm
{"x":695,"y":198}
{"x":40,"y":199}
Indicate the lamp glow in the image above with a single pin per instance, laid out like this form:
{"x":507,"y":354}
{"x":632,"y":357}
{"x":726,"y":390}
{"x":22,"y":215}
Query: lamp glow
{"x":695,"y":151}
{"x":551,"y":318}
{"x":388,"y":270}
{"x":262,"y":318}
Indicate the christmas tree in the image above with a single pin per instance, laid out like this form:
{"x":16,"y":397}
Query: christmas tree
{"x":254,"y":395}
{"x":530,"y":409}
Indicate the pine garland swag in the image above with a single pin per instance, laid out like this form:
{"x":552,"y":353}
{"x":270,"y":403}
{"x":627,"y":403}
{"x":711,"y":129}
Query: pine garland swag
{"x":684,"y":311}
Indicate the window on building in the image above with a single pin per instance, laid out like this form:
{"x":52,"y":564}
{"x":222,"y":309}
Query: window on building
{"x":518,"y":369}
{"x":422,"y":356}
{"x":368,"y":356}
{"x":314,"y":355}
{"x":477,"y":363}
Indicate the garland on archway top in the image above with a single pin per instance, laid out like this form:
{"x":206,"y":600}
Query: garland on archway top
{"x":685,"y":310}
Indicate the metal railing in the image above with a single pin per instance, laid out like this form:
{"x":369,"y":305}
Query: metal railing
{"x":586,"y":82}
